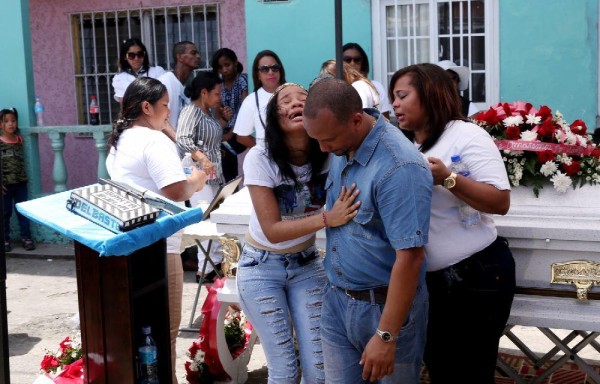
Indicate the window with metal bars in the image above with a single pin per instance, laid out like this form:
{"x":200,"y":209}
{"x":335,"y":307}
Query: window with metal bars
{"x":97,"y":38}
{"x":418,"y":31}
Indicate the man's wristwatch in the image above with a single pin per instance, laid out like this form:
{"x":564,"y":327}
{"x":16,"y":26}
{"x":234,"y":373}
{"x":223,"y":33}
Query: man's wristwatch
{"x":450,"y":181}
{"x":386,"y":336}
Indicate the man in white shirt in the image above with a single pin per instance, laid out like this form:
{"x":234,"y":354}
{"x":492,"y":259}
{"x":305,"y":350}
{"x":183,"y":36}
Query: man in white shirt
{"x":187,"y":58}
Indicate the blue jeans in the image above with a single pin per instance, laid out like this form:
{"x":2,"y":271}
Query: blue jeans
{"x":15,"y":193}
{"x":347,"y":325}
{"x":280,"y":294}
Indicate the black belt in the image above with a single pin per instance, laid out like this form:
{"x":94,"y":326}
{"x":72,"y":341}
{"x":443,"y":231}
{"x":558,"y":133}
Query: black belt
{"x":379,"y":294}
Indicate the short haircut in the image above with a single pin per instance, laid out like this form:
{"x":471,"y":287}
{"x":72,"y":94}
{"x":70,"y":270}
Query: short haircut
{"x":179,"y":49}
{"x":335,"y":95}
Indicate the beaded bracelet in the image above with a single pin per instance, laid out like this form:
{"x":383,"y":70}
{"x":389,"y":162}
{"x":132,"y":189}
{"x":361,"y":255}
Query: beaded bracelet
{"x":325,"y":219}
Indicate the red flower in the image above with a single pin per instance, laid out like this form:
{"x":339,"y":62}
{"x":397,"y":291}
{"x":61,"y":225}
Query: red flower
{"x":49,"y":363}
{"x":545,"y":113}
{"x":490,"y":117}
{"x":572,"y":169}
{"x":66,"y":343}
{"x":578,"y":127}
{"x":545,"y":156}
{"x":596,"y":153}
{"x":547,"y":128}
{"x":513,"y":133}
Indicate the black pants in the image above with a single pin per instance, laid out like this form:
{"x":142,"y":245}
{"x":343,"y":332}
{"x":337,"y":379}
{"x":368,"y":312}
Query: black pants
{"x":469,"y":304}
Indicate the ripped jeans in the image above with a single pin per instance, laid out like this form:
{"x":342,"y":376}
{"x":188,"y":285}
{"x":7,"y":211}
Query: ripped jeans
{"x":280,"y":294}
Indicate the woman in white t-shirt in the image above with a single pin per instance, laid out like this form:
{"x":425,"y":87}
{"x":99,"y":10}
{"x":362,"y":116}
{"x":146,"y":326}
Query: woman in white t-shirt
{"x":470,"y":269}
{"x":356,"y":57}
{"x":267,"y":74}
{"x":280,"y":275}
{"x":141,"y":154}
{"x":133,"y":63}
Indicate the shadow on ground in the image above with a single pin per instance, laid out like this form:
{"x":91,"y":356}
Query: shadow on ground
{"x":21,"y":343}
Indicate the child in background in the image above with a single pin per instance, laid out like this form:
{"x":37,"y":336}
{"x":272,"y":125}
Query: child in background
{"x":14,"y":178}
{"x":234,"y":91}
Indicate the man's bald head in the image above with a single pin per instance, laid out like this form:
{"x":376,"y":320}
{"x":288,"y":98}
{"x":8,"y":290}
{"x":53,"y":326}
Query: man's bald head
{"x":335,"y":95}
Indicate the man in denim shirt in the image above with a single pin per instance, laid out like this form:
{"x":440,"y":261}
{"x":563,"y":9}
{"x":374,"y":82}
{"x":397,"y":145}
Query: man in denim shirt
{"x":373,"y":320}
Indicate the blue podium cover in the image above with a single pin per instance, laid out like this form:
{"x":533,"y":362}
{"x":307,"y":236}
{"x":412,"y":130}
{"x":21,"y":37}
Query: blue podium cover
{"x":51,"y":211}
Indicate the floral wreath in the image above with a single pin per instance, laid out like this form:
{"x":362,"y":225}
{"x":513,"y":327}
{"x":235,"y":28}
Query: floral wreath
{"x":204,"y":365}
{"x":540,"y":147}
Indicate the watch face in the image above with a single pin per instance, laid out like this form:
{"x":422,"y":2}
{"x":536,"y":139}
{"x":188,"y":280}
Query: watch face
{"x":386,"y":336}
{"x":449,"y":182}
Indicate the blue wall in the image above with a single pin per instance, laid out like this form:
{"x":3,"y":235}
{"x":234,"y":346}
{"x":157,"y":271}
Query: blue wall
{"x":302,"y":33}
{"x":549,"y":55}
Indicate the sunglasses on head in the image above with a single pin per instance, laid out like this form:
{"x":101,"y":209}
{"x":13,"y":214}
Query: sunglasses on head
{"x":266,"y":68}
{"x":139,"y":54}
{"x":350,"y":59}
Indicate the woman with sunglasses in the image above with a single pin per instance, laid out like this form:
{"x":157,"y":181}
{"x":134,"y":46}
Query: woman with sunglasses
{"x":133,"y":63}
{"x":267,"y":74}
{"x":355,"y":56}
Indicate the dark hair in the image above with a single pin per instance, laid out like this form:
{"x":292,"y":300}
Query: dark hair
{"x":227,"y":53}
{"x":280,"y":153}
{"x":437,"y":94}
{"x":140,"y":90}
{"x":260,"y":55}
{"x":179,"y":49}
{"x":335,"y":95}
{"x":123,"y":64}
{"x":10,"y":111}
{"x":203,"y":80}
{"x":364,"y":65}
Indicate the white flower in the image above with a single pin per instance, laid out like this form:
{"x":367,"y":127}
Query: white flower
{"x":558,"y":114}
{"x":533,"y":119}
{"x":511,"y":121}
{"x":528,"y":136}
{"x":566,"y":160}
{"x":571,"y":138}
{"x":561,"y":182}
{"x":548,"y":168}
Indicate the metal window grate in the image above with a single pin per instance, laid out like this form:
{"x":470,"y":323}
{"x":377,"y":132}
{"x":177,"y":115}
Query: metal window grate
{"x":97,"y":38}
{"x":419,"y":31}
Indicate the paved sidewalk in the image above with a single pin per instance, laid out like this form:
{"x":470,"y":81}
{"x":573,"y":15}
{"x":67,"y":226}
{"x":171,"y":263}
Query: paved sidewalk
{"x":42,"y":301}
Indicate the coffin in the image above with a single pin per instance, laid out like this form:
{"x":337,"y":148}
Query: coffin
{"x":542,"y":232}
{"x":552,"y":229}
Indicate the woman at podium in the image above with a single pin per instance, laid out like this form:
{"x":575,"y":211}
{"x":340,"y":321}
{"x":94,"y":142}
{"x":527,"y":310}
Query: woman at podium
{"x":140,"y":153}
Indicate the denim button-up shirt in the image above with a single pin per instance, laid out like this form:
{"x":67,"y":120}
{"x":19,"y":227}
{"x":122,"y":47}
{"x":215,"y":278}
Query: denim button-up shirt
{"x":395,"y":186}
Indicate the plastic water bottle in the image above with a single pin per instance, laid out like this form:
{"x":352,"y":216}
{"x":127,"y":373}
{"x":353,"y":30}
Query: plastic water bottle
{"x":94,"y":111}
{"x":188,"y":163}
{"x":38,"y":108}
{"x":148,"y":358}
{"x":469,"y":216}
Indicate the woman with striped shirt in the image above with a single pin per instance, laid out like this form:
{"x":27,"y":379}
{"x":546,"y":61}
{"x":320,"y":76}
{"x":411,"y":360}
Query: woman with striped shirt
{"x":200,"y":133}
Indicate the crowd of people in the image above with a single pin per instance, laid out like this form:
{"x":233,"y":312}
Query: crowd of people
{"x":405,"y":282}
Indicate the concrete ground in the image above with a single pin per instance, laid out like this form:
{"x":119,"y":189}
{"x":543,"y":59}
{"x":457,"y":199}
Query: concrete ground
{"x":42,"y":301}
{"x":41,"y":290}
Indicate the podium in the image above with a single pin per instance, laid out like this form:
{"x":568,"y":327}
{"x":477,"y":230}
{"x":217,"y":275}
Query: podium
{"x":121,"y":284}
